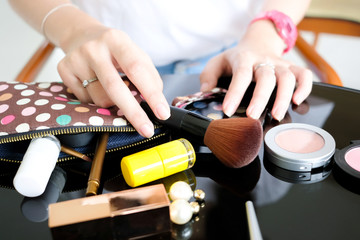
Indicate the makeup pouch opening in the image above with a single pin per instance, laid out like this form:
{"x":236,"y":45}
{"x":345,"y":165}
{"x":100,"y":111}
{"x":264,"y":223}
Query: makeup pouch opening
{"x":34,"y":110}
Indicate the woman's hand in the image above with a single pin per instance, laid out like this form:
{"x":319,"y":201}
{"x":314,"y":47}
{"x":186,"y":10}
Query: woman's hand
{"x":258,"y":58}
{"x":101,"y":53}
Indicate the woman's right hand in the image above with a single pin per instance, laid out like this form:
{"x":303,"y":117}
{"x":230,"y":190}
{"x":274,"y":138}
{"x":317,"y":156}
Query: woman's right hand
{"x":102,"y":53}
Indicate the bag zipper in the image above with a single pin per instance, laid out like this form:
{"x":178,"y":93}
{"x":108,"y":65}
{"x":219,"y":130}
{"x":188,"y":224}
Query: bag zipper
{"x":67,"y":130}
{"x":76,"y":130}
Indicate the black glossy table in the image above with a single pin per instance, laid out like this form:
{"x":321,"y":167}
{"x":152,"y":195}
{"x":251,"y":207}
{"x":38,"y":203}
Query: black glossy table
{"x":314,"y":207}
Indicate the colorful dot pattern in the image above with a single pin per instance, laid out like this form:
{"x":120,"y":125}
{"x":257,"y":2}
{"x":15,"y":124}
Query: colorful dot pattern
{"x":34,"y":106}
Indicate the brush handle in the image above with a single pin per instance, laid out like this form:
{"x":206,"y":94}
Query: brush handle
{"x":182,"y":119}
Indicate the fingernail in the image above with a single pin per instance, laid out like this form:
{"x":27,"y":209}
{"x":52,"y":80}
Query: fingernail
{"x":162,"y":111}
{"x":229,"y":109}
{"x":204,"y":86}
{"x":146,"y":130}
{"x":278,"y":114}
{"x":297,"y":100}
{"x":254,"y":112}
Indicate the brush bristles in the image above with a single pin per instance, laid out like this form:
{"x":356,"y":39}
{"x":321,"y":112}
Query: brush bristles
{"x":234,"y":141}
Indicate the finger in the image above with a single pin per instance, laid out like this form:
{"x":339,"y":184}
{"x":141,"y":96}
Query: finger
{"x":72,"y":82}
{"x":133,"y":61}
{"x":304,"y":79}
{"x":212,"y":71}
{"x":285,"y":88}
{"x":145,"y":82}
{"x":123,"y":98}
{"x":80,"y":65}
{"x":143,"y":74}
{"x":265,"y":84}
{"x":98,"y":94}
{"x":242,"y":77}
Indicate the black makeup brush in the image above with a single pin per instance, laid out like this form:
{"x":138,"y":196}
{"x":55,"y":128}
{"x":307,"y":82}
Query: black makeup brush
{"x":234,"y":141}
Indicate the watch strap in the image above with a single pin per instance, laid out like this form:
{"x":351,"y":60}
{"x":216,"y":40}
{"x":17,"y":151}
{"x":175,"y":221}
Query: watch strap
{"x":285,"y":27}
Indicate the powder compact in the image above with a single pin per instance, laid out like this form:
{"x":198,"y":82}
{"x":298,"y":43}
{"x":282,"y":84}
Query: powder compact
{"x":317,"y":175}
{"x":299,"y":147}
{"x":347,"y":166}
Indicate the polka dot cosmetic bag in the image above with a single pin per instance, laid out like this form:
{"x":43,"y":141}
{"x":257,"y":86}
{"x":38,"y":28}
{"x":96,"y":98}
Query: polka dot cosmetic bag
{"x":34,"y":110}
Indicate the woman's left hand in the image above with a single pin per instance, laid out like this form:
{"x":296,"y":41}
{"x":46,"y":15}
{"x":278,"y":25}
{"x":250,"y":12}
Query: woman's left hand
{"x":256,"y":59}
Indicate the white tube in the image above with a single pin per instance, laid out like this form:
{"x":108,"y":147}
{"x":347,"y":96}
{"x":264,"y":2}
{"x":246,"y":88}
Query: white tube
{"x":254,"y":229}
{"x":37,"y":165}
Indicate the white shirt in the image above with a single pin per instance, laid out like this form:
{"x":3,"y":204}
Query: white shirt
{"x":173,"y":30}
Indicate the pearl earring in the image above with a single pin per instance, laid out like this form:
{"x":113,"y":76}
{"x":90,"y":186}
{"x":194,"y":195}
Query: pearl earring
{"x":181,"y":210}
{"x":180,"y":190}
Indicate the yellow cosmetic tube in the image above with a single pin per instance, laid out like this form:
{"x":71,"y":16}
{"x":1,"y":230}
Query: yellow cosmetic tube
{"x":158,"y":162}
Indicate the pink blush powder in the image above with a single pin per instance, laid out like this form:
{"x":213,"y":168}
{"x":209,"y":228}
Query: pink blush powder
{"x":352,"y":157}
{"x":299,"y":141}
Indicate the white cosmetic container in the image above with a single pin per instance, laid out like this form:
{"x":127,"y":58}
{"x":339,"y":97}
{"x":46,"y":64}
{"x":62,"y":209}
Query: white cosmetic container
{"x":37,"y":165}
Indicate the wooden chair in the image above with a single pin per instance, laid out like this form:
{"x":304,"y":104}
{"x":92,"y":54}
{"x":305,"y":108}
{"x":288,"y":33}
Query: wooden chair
{"x":31,"y":69}
{"x":340,"y":17}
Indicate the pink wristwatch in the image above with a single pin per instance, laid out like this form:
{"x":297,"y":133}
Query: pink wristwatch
{"x":284,"y":25}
